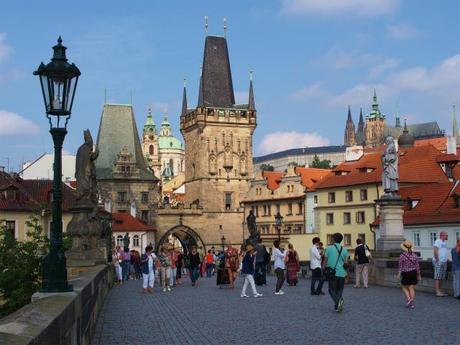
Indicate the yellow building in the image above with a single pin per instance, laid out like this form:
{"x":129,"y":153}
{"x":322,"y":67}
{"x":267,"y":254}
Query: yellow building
{"x":20,"y":200}
{"x":346,"y":197}
{"x":272,"y":192}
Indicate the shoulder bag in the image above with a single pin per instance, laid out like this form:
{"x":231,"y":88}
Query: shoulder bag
{"x":329,"y":272}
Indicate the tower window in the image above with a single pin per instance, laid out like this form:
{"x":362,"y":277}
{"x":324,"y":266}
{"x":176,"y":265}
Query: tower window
{"x":228,"y":201}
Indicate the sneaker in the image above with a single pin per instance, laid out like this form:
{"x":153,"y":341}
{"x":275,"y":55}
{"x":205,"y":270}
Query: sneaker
{"x":164,"y":289}
{"x":340,"y":305}
{"x":409,"y":303}
{"x":441,"y":294}
{"x":258,"y":295}
{"x":243,"y":295}
{"x":169,"y":289}
{"x":281,"y":292}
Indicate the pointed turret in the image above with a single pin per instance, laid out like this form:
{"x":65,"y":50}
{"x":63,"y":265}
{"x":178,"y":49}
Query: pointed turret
{"x":200,"y":90}
{"x":251,"y":103}
{"x":406,"y":139}
{"x":360,"y":132}
{"x":149,"y":123}
{"x":350,"y":136}
{"x":375,"y":112}
{"x":184,"y":101}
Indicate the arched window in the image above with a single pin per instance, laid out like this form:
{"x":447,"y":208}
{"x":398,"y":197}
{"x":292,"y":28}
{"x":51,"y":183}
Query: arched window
{"x":119,"y":240}
{"x":151,"y":150}
{"x":136,"y":240}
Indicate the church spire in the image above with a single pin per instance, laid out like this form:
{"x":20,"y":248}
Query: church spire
{"x":251,"y":103}
{"x":398,"y":120}
{"x":375,"y":112}
{"x":184,"y":100}
{"x":360,"y":132}
{"x":350,"y":136}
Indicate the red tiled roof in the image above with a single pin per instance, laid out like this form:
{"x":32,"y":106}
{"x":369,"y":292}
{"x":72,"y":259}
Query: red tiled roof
{"x":273,"y":179}
{"x":310,"y":176}
{"x":447,"y":157}
{"x":416,"y":165}
{"x":436,"y":205}
{"x":125,"y":222}
{"x":439,"y":143}
{"x":32,"y":195}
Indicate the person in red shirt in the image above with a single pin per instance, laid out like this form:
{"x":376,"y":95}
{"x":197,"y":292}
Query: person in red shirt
{"x":209,"y":264}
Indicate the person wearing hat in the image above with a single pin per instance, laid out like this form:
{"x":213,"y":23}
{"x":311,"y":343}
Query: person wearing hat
{"x":408,"y":272}
{"x":248,"y":269}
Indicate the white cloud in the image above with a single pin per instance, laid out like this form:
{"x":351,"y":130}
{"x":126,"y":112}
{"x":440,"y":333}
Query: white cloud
{"x":338,"y":7}
{"x":383,"y":67}
{"x":402,"y":31}
{"x":4,"y":48}
{"x":278,"y":141}
{"x":14,"y":124}
{"x":313,"y":91}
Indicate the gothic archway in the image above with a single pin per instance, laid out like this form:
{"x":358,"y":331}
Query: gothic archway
{"x":185,"y":235}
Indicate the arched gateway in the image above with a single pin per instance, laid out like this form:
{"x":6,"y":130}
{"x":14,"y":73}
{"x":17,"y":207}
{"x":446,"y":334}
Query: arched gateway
{"x":186,"y":236}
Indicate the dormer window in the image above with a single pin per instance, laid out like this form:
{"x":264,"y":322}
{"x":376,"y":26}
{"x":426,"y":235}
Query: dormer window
{"x":413,"y":203}
{"x":9,"y":194}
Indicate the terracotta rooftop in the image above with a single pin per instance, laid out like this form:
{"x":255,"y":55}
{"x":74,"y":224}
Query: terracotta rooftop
{"x":416,"y":165}
{"x":273,"y":179}
{"x":124,"y":222}
{"x":30,"y":195}
{"x":439,"y":143}
{"x":433,"y":203}
{"x":310,"y":176}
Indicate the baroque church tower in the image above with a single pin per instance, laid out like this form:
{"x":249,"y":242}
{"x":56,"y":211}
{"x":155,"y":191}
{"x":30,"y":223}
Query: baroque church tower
{"x":218,"y":135}
{"x":350,"y":136}
{"x":150,"y":144}
{"x":375,"y":125}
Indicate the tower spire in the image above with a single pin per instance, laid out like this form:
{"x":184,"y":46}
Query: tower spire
{"x":349,"y":114}
{"x":398,"y":120}
{"x":350,"y":135}
{"x":251,"y":103}
{"x":375,"y":112}
{"x":184,"y":100}
{"x":206,"y":25}
{"x":225,"y":27}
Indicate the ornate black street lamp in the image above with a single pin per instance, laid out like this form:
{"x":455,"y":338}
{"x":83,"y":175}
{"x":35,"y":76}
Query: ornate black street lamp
{"x":58,"y":80}
{"x":278,"y":222}
{"x":223,"y":242}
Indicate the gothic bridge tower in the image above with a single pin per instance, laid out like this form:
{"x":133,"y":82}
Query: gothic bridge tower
{"x":218,"y":135}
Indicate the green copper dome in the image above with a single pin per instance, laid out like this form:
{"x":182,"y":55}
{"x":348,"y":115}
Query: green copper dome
{"x":169,"y":143}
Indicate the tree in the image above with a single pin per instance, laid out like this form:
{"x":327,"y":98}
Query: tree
{"x":320,"y":164}
{"x":20,"y":266}
{"x":266,"y":167}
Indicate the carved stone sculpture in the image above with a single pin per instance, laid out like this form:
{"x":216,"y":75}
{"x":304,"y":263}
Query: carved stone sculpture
{"x":252,"y":227}
{"x":85,"y":171}
{"x":390,"y":167}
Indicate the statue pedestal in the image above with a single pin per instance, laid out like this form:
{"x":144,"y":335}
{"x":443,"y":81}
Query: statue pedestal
{"x":86,"y":229}
{"x":391,"y":223}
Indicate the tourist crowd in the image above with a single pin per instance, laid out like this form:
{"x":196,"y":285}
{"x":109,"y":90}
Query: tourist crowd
{"x":329,"y":264}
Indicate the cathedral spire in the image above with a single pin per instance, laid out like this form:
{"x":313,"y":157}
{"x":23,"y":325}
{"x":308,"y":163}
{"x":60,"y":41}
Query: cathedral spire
{"x":398,"y":120}
{"x":360,"y":133}
{"x":184,"y":100}
{"x":350,"y":135}
{"x":251,"y":103}
{"x":375,"y":112}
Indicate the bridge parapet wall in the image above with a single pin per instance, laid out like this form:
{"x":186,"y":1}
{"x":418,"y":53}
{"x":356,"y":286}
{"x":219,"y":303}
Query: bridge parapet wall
{"x":60,"y":318}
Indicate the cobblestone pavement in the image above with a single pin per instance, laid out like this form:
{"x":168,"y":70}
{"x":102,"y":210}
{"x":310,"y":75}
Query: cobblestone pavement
{"x":206,"y":314}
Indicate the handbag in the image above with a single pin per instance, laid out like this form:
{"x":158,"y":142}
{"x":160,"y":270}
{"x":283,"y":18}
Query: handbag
{"x":329,"y":272}
{"x":367,"y":252}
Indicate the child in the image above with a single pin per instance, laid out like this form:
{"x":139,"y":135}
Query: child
{"x":148,"y":266}
{"x":248,"y":269}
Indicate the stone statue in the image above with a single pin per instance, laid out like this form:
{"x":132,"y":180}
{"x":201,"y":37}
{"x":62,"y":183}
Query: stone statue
{"x":252,"y":227}
{"x":85,"y":171}
{"x":390,"y":167}
{"x":126,"y":242}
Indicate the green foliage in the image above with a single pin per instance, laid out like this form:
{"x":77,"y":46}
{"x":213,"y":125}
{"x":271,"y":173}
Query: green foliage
{"x":317,"y":163}
{"x":266,"y":167}
{"x":20,"y":266}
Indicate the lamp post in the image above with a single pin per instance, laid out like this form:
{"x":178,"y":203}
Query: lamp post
{"x":278,"y":221}
{"x":58,"y":80}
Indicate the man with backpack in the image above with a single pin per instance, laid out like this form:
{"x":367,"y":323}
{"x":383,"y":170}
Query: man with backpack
{"x":336,"y":257}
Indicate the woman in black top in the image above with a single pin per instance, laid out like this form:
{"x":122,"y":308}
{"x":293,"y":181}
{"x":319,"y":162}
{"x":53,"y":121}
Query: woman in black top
{"x":179,"y":264}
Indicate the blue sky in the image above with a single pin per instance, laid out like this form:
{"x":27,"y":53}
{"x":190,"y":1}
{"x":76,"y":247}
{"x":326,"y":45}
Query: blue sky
{"x":310,"y":60}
